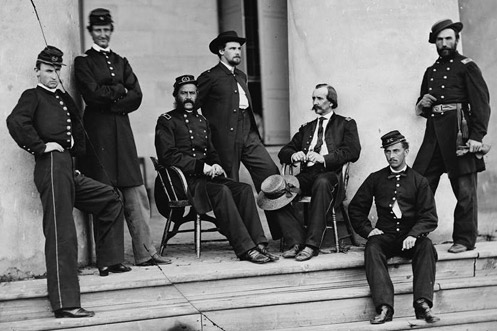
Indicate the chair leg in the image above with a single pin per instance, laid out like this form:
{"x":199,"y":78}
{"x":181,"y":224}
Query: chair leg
{"x":198,"y":233}
{"x":166,"y":231}
{"x":348,"y":225}
{"x":335,"y":229}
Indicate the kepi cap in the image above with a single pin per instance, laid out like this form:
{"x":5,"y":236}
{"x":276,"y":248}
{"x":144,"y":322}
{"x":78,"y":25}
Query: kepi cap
{"x":392,"y":138}
{"x":51,"y":55}
{"x":224,"y":37}
{"x":100,"y":16}
{"x":183,"y":80}
{"x":442,"y":25}
{"x":277,"y":191}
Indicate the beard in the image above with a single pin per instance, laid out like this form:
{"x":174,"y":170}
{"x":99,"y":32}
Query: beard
{"x":447,"y":51}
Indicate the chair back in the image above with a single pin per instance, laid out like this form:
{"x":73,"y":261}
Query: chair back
{"x":170,"y":188}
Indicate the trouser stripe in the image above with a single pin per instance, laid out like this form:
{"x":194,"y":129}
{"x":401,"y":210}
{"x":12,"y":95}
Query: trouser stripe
{"x":55,"y":229}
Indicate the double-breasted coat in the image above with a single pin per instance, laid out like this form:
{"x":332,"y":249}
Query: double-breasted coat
{"x":111,"y":91}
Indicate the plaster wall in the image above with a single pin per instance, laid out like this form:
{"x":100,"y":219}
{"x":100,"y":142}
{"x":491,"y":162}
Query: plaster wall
{"x":21,"y":237}
{"x":374,"y":52}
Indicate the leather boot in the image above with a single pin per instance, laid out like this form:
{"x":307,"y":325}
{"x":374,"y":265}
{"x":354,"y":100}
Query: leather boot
{"x":423,"y":311}
{"x":385,"y":314}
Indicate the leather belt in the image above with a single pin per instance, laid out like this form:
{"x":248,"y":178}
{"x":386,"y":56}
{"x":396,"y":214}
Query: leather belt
{"x":440,"y":109}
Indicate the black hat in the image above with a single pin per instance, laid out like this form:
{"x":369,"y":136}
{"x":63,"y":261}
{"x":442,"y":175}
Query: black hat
{"x":224,"y":37}
{"x":51,"y":55}
{"x":182,"y":80}
{"x":392,"y":138}
{"x":277,"y":191}
{"x":442,"y":25}
{"x":100,"y":16}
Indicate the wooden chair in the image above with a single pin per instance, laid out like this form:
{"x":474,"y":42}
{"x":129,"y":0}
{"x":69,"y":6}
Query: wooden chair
{"x":172,"y":200}
{"x":337,"y":204}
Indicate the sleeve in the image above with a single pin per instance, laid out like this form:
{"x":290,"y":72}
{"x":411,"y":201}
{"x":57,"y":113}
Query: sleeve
{"x":92,"y":91}
{"x":130,"y":101}
{"x":424,"y":90}
{"x":295,"y":145}
{"x":21,"y":126}
{"x":204,"y":84}
{"x":212,"y":155}
{"x":426,"y":218}
{"x":360,"y":206}
{"x":479,"y":100}
{"x":348,"y":150}
{"x":167,"y":151}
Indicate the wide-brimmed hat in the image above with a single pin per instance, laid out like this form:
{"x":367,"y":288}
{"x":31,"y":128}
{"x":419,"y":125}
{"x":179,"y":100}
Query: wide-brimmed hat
{"x":51,"y":55}
{"x":442,"y":25}
{"x":224,"y":37}
{"x":392,"y":138}
{"x":277,"y":191}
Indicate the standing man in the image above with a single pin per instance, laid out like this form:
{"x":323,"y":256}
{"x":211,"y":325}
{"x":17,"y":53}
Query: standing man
{"x":225,"y":101}
{"x":47,"y":124}
{"x":455,"y":100}
{"x":111,"y":91}
{"x":182,"y":139}
{"x":406,"y":214}
{"x":322,"y":147}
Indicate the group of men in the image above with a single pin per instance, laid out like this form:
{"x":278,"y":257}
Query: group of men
{"x":212,"y":131}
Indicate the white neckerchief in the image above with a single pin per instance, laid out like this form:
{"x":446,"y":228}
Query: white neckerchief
{"x":243,"y":103}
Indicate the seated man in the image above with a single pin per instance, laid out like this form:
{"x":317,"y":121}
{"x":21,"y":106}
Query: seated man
{"x":47,"y":124}
{"x":406,"y":214}
{"x":322,"y":147}
{"x":182,"y":139}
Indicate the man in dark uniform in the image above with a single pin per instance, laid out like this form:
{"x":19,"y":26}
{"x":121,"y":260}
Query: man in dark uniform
{"x":455,"y":100}
{"x":322,"y":147}
{"x":47,"y":124}
{"x":111,"y":91}
{"x":406,"y":214}
{"x":226,"y":103}
{"x":182,"y":139}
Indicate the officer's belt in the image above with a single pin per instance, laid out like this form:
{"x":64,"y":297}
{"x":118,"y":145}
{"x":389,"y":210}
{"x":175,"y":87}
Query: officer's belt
{"x":440,"y":109}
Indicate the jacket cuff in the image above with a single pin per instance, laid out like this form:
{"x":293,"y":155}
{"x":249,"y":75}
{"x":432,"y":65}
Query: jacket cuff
{"x":199,"y":167}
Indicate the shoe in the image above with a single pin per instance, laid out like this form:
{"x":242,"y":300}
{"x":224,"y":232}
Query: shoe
{"x":457,"y":248}
{"x":263,"y":249}
{"x":156,"y":259}
{"x":73,"y":313}
{"x":423,"y":311}
{"x":116,"y":268}
{"x":292,"y":252}
{"x":253,"y":255}
{"x":306,"y":254}
{"x":385,"y":315}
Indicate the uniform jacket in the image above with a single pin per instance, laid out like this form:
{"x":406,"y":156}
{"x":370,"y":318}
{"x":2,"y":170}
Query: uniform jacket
{"x":414,"y":197}
{"x":182,"y":140}
{"x":454,"y":80}
{"x":219,"y":99}
{"x":41,"y":116}
{"x":111,"y":91}
{"x":340,"y":136}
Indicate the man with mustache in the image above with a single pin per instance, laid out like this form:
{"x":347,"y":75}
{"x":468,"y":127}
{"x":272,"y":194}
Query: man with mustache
{"x":226,"y":103}
{"x":454,"y":99}
{"x":111,"y":91}
{"x":183,"y":140}
{"x":321,"y":147}
{"x":47,"y":124}
{"x":406,"y":214}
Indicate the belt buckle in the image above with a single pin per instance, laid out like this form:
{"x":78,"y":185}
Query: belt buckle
{"x":437,"y":109}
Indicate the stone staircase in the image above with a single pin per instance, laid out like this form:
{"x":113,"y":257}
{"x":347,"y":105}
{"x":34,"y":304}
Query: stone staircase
{"x":329,"y":292}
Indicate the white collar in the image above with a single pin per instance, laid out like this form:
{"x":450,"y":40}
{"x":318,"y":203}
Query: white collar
{"x":100,"y":49}
{"x":327,"y":116}
{"x":230,"y":68}
{"x":397,"y":171}
{"x":46,"y":88}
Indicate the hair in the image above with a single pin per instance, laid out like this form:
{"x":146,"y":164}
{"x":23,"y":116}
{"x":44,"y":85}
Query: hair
{"x":90,"y":27}
{"x":405,"y":144}
{"x":331,"y":93}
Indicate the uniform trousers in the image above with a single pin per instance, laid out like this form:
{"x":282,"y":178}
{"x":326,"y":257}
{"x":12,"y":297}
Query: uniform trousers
{"x":464,"y":187}
{"x":380,"y":248}
{"x":236,"y":214}
{"x":61,"y":189}
{"x":250,"y":151}
{"x":137,"y":215}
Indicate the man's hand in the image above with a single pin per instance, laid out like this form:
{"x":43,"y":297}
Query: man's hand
{"x":375,"y":232}
{"x":315,"y":157}
{"x":298,"y":157}
{"x":426,"y":101}
{"x":51,"y":146}
{"x":217,"y":170}
{"x":208,"y":171}
{"x":474,"y":146}
{"x":408,"y":243}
